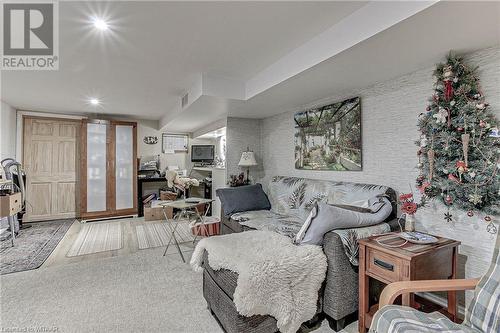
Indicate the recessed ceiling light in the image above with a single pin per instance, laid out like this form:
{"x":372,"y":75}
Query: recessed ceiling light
{"x":100,"y":24}
{"x":94,"y":101}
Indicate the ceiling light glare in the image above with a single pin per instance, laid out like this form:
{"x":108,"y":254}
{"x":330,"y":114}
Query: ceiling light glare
{"x":100,"y":24}
{"x":94,"y":101}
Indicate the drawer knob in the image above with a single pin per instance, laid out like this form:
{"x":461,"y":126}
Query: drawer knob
{"x":383,"y":264}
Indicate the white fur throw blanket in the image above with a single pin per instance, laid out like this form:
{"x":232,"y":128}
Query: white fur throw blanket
{"x":275,"y":277}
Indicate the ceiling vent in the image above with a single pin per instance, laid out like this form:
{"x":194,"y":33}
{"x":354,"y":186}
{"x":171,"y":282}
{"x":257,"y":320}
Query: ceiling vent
{"x":184,"y":100}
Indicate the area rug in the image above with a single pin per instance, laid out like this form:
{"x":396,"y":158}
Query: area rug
{"x":97,"y":237}
{"x":32,"y":245}
{"x":151,"y":235}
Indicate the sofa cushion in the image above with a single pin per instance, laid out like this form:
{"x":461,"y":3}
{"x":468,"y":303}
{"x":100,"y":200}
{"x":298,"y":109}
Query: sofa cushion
{"x":290,"y":226}
{"x":243,"y":198}
{"x":296,"y":196}
{"x":330,"y":217}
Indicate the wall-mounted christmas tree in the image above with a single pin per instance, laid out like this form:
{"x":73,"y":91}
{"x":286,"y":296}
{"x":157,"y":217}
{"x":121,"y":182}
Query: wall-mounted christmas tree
{"x":459,"y":146}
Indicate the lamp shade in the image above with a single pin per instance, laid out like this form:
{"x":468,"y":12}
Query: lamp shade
{"x":247,"y":159}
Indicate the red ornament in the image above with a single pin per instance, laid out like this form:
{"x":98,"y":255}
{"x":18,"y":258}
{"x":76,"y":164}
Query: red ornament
{"x":424,"y":186}
{"x":460,"y":129}
{"x":461,"y":166}
{"x":448,"y":93}
{"x":453,"y":178}
{"x":482,"y":123}
{"x":428,"y":108}
{"x":470,"y":213}
{"x":448,"y":199}
{"x":487,"y":218}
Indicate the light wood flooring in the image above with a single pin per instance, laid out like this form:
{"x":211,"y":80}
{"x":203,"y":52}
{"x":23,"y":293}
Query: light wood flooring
{"x":130,"y":244}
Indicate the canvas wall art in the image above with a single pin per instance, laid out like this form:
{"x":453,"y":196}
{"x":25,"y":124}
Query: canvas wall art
{"x":329,"y":137}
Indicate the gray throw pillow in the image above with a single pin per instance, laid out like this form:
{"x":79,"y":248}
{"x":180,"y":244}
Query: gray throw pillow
{"x":326,"y":218}
{"x":243,"y":199}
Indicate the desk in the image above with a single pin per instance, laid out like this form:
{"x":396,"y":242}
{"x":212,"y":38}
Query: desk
{"x":406,"y":263}
{"x":184,"y":205}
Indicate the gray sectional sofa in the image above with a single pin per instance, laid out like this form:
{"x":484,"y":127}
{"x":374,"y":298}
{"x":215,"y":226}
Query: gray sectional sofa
{"x":291,"y":201}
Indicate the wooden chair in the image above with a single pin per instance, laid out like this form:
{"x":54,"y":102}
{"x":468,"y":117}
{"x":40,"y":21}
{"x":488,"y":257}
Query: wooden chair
{"x":482,"y":315}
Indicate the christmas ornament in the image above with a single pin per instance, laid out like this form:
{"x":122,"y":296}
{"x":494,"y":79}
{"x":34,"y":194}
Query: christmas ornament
{"x":465,"y":147}
{"x":428,"y":108}
{"x":447,"y":78}
{"x":481,"y":106}
{"x":482,"y":123}
{"x":424,"y":187}
{"x":448,"y":217}
{"x":430,"y":156}
{"x":460,"y":129}
{"x":448,"y":199}
{"x":423,"y":141}
{"x":452,"y":103}
{"x":491,"y":228}
{"x":475,"y":198}
{"x":453,"y":178}
{"x":441,"y":116}
{"x":470,"y":213}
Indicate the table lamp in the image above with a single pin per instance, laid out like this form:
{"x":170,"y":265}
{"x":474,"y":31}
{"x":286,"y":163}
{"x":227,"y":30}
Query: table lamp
{"x":247,"y":160}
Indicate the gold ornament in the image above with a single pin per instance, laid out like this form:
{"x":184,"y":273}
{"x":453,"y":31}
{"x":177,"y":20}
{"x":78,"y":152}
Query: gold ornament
{"x":465,"y":147}
{"x":430,"y":157}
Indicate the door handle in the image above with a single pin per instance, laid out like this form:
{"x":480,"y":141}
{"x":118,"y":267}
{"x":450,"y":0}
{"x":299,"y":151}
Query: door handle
{"x":383,"y":264}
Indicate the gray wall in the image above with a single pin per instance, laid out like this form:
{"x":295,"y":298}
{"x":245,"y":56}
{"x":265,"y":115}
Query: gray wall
{"x":8,"y":131}
{"x":240,"y":134}
{"x":389,"y":116}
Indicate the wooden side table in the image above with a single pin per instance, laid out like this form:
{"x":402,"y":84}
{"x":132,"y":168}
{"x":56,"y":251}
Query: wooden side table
{"x":406,"y":263}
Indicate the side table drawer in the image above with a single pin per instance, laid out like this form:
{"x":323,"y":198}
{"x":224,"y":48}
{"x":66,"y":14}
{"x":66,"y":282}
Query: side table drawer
{"x":385,"y":266}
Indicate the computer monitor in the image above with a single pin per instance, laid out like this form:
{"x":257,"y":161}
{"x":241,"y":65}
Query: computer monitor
{"x":202,"y":153}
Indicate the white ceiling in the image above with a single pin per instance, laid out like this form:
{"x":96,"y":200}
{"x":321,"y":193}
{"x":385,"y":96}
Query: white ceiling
{"x":156,"y":50}
{"x":416,"y":43}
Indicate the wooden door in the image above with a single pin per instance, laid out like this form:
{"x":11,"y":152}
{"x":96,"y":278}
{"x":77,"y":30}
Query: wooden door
{"x":49,"y":156}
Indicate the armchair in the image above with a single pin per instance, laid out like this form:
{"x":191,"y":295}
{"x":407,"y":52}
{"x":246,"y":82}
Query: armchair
{"x":483,"y":313}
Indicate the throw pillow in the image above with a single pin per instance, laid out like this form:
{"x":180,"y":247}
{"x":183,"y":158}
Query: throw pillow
{"x":328,"y":218}
{"x":302,"y":232}
{"x":243,"y":199}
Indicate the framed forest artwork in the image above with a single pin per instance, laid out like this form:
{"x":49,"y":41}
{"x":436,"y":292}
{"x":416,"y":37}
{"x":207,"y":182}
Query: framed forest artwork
{"x":329,"y":137}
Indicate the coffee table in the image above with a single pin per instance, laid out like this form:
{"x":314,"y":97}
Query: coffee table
{"x":185,"y":206}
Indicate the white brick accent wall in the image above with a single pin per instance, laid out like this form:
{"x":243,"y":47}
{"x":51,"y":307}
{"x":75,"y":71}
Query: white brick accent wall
{"x":389,"y":117}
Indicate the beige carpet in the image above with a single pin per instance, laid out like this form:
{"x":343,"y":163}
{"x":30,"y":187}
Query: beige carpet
{"x":151,"y":235}
{"x":141,"y":292}
{"x":97,"y":237}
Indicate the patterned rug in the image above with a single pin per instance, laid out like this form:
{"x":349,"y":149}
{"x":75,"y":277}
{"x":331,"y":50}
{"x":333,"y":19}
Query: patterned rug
{"x":151,"y":235}
{"x":97,"y":237}
{"x":32,"y":245}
